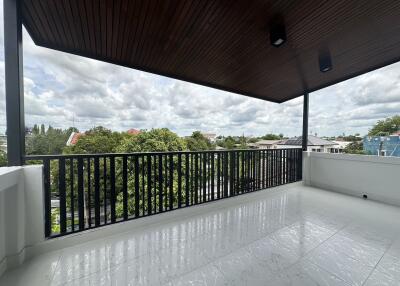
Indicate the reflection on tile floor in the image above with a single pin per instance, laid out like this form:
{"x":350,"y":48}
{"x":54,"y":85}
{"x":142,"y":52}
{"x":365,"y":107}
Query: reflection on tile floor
{"x":295,"y":236}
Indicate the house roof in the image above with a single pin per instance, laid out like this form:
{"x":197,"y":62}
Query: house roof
{"x":133,"y":131}
{"x":268,"y":142}
{"x":73,"y":138}
{"x":311,"y":141}
{"x":225,"y":44}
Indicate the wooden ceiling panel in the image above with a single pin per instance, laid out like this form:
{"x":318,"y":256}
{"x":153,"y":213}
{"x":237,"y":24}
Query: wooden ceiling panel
{"x":225,"y":44}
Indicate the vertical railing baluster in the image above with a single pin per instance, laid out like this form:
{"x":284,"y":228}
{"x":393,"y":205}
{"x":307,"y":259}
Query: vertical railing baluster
{"x":231,"y":173}
{"x":89,"y":200}
{"x":143,"y":185}
{"x":136,"y":172}
{"x":105,"y":189}
{"x":166,"y":180}
{"x":125,"y":186}
{"x":212,"y":175}
{"x":149,"y":194}
{"x":171,"y":182}
{"x":237,"y":168}
{"x":187,"y":182}
{"x":218,"y":175}
{"x":97,"y":191}
{"x":263,"y":168}
{"x":155,"y":181}
{"x":259,"y":170}
{"x":112,"y":188}
{"x":226,"y":179}
{"x":242,"y":174}
{"x":47,"y":198}
{"x":254,"y":165}
{"x":160,"y":184}
{"x":208,"y":156}
{"x":81,"y":203}
{"x":267,"y":169}
{"x":204,"y":176}
{"x":179,"y":170}
{"x":196,"y":179}
{"x":62,"y":195}
{"x":192,"y":178}
{"x":72,"y":196}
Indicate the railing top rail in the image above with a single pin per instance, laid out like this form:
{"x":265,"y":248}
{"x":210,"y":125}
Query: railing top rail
{"x":41,"y":157}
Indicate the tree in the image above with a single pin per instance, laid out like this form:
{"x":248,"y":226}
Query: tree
{"x":42,"y":129}
{"x":354,"y":148}
{"x":155,"y":140}
{"x":96,"y":140}
{"x":385,"y":127}
{"x":271,"y":136}
{"x":35,"y":130}
{"x":3,"y":158}
{"x":198,"y":142}
{"x":50,"y":142}
{"x":226,"y":142}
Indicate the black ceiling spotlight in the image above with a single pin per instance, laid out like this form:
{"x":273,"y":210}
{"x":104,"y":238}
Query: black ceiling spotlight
{"x":277,"y":31}
{"x":325,"y":61}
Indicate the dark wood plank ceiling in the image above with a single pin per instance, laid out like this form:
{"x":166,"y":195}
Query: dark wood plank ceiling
{"x":225,"y":44}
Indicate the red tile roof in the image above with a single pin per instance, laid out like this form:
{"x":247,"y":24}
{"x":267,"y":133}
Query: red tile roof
{"x":75,"y":138}
{"x":133,"y":131}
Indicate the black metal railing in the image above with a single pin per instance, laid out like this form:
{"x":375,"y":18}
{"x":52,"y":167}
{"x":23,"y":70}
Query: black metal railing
{"x":88,"y":191}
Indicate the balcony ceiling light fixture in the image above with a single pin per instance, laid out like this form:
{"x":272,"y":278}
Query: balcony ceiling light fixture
{"x":277,"y":32}
{"x":325,"y":61}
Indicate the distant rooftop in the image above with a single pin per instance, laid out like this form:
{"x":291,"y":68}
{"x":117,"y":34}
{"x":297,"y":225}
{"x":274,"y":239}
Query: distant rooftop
{"x":268,"y":142}
{"x":311,"y":141}
{"x":133,"y":131}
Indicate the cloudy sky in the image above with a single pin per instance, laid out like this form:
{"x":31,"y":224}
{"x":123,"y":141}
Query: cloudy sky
{"x":65,"y":90}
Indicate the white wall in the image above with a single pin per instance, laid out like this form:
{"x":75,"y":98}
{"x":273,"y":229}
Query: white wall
{"x":21,"y":213}
{"x":356,"y":175}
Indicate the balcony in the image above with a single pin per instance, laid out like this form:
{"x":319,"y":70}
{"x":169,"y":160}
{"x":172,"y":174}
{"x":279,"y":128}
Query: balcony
{"x":292,"y":234}
{"x":242,"y":217}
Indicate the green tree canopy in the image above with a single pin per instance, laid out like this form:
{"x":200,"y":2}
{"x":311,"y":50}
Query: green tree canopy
{"x":96,"y":140}
{"x":3,"y":158}
{"x":197,"y":142}
{"x":155,"y":140}
{"x":271,"y":136}
{"x":385,"y":127}
{"x":354,"y":148}
{"x":48,"y":142}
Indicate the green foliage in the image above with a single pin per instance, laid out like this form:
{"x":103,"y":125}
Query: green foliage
{"x":55,"y":216}
{"x":385,"y":127}
{"x":3,"y":158}
{"x":271,"y":136}
{"x":354,"y":148}
{"x":251,"y":140}
{"x":227,"y":143}
{"x":48,"y":142}
{"x":96,"y":140}
{"x":155,"y":140}
{"x":351,"y":138}
{"x":197,"y":142}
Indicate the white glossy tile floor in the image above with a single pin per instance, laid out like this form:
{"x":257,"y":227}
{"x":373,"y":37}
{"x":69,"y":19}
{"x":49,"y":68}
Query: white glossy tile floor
{"x":295,"y":236}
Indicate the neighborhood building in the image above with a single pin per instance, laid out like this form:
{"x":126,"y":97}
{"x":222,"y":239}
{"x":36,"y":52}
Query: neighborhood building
{"x":264,"y":144}
{"x":382,"y":145}
{"x":314,"y":143}
{"x":210,"y":136}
